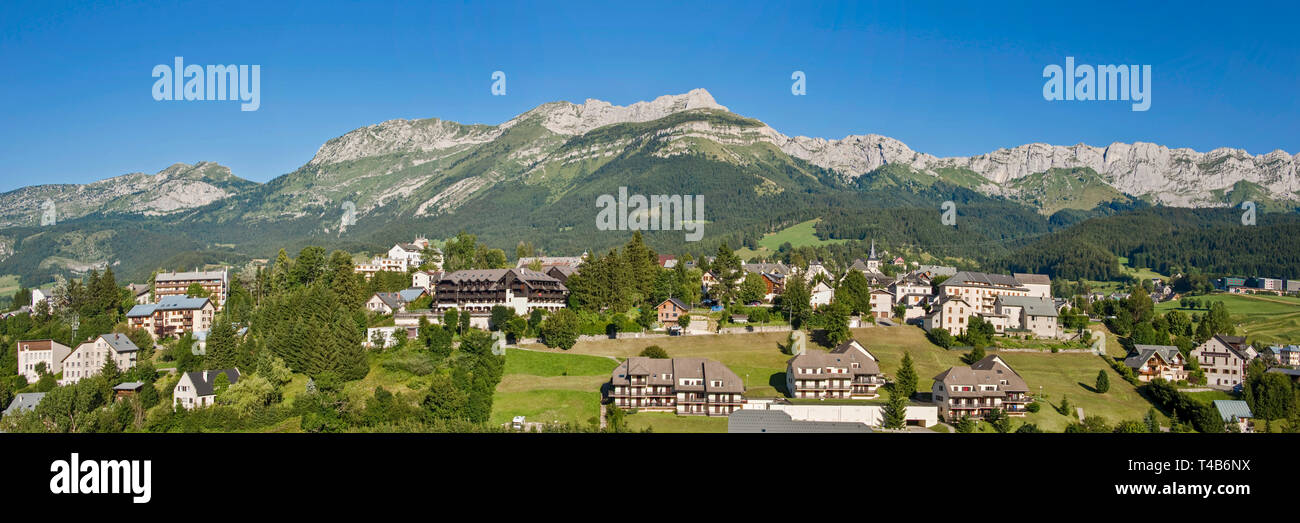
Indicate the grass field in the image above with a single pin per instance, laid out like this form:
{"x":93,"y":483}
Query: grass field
{"x":1268,"y":319}
{"x":550,"y":386}
{"x":759,"y":356}
{"x":8,"y":285}
{"x":799,"y":234}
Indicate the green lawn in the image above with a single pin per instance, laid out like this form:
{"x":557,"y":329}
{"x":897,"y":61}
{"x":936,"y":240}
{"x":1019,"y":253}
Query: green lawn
{"x":547,"y":364}
{"x":1264,"y":318}
{"x":671,"y":423}
{"x":550,"y":386}
{"x":799,"y":234}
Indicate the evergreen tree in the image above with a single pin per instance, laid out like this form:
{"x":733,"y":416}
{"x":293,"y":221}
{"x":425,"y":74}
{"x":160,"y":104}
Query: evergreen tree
{"x":906,"y":380}
{"x":895,"y":411}
{"x":220,"y":350}
{"x":796,"y":302}
{"x":1103,"y":382}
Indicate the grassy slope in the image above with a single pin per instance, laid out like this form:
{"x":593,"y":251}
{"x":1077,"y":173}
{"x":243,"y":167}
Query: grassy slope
{"x":798,"y":235}
{"x":1270,"y":319}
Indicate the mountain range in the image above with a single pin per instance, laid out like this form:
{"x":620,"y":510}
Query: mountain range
{"x":535,"y":178}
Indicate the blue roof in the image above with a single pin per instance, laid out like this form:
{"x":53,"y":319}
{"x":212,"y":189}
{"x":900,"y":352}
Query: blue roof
{"x":1231,"y":410}
{"x":410,"y":295}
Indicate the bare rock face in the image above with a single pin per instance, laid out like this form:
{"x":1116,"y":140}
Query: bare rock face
{"x":573,"y":119}
{"x":395,"y":136}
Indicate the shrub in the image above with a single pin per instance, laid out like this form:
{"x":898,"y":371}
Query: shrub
{"x":1033,"y":407}
{"x":654,"y":351}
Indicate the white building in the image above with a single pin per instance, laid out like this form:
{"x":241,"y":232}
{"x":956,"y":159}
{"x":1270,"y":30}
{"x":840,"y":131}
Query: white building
{"x":88,"y":358}
{"x":822,"y":294}
{"x":33,"y":352}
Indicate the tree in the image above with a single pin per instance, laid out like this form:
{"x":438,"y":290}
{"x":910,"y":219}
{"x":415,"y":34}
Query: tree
{"x":834,"y":318}
{"x":451,"y":319}
{"x":1151,"y":421}
{"x":966,"y":424}
{"x":501,"y":315}
{"x":895,"y":411}
{"x":1103,"y":382}
{"x":655,"y":352}
{"x":1131,"y":427}
{"x":109,"y":371}
{"x":561,"y":329}
{"x":220,"y":383}
{"x":220,"y":350}
{"x":906,"y":379}
{"x":753,"y":289}
{"x":855,"y":292}
{"x":976,"y":354}
{"x":1000,"y":421}
{"x":444,"y":401}
{"x":684,"y":321}
{"x":940,"y":336}
{"x":726,"y":267}
{"x":796,"y":301}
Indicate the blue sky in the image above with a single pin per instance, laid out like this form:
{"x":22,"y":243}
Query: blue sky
{"x":948,"y":79}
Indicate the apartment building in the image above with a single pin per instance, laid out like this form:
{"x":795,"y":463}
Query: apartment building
{"x":1034,"y":315}
{"x":981,"y":290}
{"x":478,"y":290}
{"x":987,"y":385}
{"x":1223,"y":359}
{"x":88,"y":358}
{"x":951,"y":313}
{"x":1286,"y":355}
{"x":215,"y":283}
{"x":686,"y":386}
{"x":1157,"y":361}
{"x":849,"y":371}
{"x":33,"y":352}
{"x":172,"y":316}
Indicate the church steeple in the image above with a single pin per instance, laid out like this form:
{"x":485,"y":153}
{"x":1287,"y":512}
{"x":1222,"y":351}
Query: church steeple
{"x":872,"y":256}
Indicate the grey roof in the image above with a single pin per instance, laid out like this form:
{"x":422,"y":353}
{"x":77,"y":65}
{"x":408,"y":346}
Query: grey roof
{"x":23,"y":402}
{"x":1033,"y":305}
{"x":676,"y":369}
{"x":1282,"y":370}
{"x":1143,"y":353}
{"x":1032,"y":279}
{"x":1232,"y":410}
{"x":844,"y":356}
{"x":204,"y":380}
{"x":937,"y":270}
{"x":676,"y":302}
{"x":989,"y":371}
{"x":192,"y":275}
{"x":752,"y":421}
{"x":120,"y":342}
{"x":138,"y":288}
{"x":411,"y":294}
{"x":392,"y":299}
{"x":982,"y":278}
{"x":766,"y":268}
{"x":167,"y":303}
{"x":130,"y":385}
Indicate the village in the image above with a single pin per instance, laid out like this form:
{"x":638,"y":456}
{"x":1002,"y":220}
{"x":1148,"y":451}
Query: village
{"x":742,"y":347}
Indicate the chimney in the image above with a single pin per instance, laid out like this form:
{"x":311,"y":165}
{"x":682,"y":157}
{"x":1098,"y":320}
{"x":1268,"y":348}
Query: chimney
{"x":205,"y":375}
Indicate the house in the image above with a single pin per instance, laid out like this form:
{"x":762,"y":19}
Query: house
{"x":822,"y":294}
{"x":140,"y":291}
{"x":1235,"y":412}
{"x":1035,"y":314}
{"x":379,"y":264}
{"x":911,"y":290}
{"x":767,"y":268}
{"x":739,"y":318}
{"x":708,"y":280}
{"x":425,"y":279}
{"x":848,"y":371}
{"x":23,"y":402}
{"x":560,"y":272}
{"x":987,"y":385}
{"x":478,"y":290}
{"x":950,"y":313}
{"x":33,"y":352}
{"x":882,"y":303}
{"x":1294,"y":374}
{"x":1157,"y":361}
{"x":215,"y":283}
{"x":198,"y":388}
{"x":88,"y":358}
{"x":1039,"y":285}
{"x":1288,"y":355}
{"x":128,"y":389}
{"x":816,"y":269}
{"x":686,"y":386}
{"x":667,"y":261}
{"x":1223,"y":359}
{"x":410,"y":255}
{"x":936,"y":270}
{"x":898,"y":261}
{"x":172,"y":316}
{"x":670,"y":310}
{"x":40,"y":295}
{"x":385,"y":303}
{"x":775,"y":284}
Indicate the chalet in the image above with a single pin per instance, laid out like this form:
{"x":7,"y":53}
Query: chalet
{"x":848,"y":371}
{"x":1223,"y":359}
{"x":898,"y":261}
{"x":172,"y":316}
{"x":562,"y":273}
{"x":686,"y":386}
{"x":88,"y":358}
{"x":1150,"y":362}
{"x":177,"y":284}
{"x":667,"y":261}
{"x":41,"y":295}
{"x":671,"y":310}
{"x":775,"y":284}
{"x":34,"y":352}
{"x":198,"y":388}
{"x":708,"y":280}
{"x":128,"y":389}
{"x":478,"y":290}
{"x":987,"y":385}
{"x":390,"y":302}
{"x":1033,"y":314}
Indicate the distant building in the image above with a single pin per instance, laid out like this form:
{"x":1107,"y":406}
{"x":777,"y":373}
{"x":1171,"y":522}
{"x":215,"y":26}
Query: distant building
{"x":34,"y":352}
{"x":1286,"y":355}
{"x":140,"y":291}
{"x":215,"y":283}
{"x":1223,"y":359}
{"x":987,"y":385}
{"x":478,"y":290}
{"x":686,"y":386}
{"x":1234,"y":412}
{"x":197,"y":389}
{"x":172,"y":316}
{"x":88,"y":358}
{"x":671,"y":310}
{"x":1035,"y":314}
{"x":822,"y":294}
{"x":23,"y":402}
